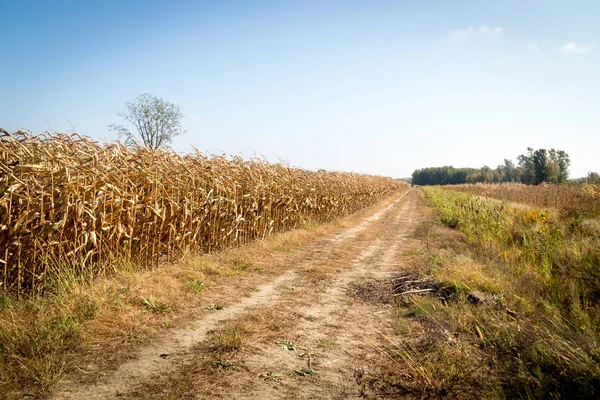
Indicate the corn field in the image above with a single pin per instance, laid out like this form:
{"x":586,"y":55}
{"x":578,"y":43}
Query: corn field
{"x":70,"y":204}
{"x":578,"y":197}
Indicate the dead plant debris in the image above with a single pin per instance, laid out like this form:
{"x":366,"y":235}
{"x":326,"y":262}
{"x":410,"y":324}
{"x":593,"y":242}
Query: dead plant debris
{"x":372,"y":291}
{"x":409,"y":283}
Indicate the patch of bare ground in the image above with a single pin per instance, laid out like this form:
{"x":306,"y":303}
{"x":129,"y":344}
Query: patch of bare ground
{"x":276,"y":286}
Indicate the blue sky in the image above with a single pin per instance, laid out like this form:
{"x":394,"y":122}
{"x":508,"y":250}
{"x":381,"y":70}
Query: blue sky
{"x":381,"y":87}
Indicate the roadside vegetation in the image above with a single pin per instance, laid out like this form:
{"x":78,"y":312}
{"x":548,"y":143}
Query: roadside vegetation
{"x":507,"y":299}
{"x":80,"y":323}
{"x":103,"y":246}
{"x":41,"y":338}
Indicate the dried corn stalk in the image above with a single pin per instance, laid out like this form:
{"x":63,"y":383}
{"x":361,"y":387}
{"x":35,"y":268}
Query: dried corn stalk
{"x":68,"y":203}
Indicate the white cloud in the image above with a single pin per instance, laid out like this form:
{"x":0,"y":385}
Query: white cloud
{"x":572,"y":48}
{"x":458,"y":33}
{"x":533,"y":47}
{"x":486,"y":30}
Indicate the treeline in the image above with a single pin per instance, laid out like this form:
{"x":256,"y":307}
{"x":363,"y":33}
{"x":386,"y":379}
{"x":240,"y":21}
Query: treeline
{"x":533,"y":168}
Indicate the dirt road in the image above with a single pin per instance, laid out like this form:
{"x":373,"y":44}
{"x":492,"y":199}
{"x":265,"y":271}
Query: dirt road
{"x":310,"y":332}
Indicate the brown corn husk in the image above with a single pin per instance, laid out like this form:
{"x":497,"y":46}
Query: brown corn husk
{"x":70,"y":203}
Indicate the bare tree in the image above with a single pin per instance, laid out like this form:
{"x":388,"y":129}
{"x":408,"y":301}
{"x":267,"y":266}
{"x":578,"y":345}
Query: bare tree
{"x":156,"y":122}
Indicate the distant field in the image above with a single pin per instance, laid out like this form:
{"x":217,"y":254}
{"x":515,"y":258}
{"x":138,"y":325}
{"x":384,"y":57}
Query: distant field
{"x":581,"y":197}
{"x":69,"y":204}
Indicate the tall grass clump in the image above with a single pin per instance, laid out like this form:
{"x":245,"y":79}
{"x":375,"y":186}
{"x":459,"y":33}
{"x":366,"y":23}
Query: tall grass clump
{"x":71,"y":205}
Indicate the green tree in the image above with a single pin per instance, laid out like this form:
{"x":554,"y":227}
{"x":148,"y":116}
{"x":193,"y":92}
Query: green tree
{"x":559,"y":166}
{"x":155,"y":122}
{"x":527,"y":167}
{"x":535,"y":167}
{"x":540,"y":166}
{"x":508,"y":171}
{"x":593,"y":177}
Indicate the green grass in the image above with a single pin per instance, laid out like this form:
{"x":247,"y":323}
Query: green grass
{"x":229,"y":338}
{"x":154,"y":306}
{"x":541,"y":271}
{"x":195,"y":285}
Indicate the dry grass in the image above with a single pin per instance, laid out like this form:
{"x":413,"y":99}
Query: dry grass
{"x":579,"y":198}
{"x":68,"y":204}
{"x":522,"y":321}
{"x":532,"y":274}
